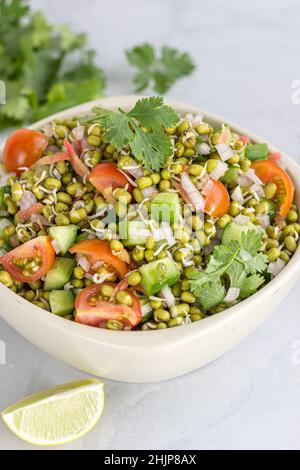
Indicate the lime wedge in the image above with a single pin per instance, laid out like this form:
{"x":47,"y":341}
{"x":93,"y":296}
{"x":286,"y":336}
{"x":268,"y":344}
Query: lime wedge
{"x":58,"y":415}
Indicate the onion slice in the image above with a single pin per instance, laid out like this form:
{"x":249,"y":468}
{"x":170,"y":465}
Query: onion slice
{"x":168,"y":295}
{"x":192,"y":192}
{"x":232,"y":294}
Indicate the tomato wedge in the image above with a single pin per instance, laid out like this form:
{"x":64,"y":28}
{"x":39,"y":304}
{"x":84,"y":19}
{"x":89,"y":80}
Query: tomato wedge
{"x":97,"y":314}
{"x":100,"y":250}
{"x":269,"y":172}
{"x":22,"y":149}
{"x":39,"y":250}
{"x":217,"y":201}
{"x":106,"y":178}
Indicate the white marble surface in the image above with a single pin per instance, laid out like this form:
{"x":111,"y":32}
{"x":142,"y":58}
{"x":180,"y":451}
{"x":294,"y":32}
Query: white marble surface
{"x":248,"y":55}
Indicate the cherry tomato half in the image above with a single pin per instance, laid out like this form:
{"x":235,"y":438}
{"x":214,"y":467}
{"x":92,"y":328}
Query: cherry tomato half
{"x":269,"y":172}
{"x":100,"y":250}
{"x":217,"y":201}
{"x":99,"y":312}
{"x":22,"y":149}
{"x":16,"y":261}
{"x":106,"y":178}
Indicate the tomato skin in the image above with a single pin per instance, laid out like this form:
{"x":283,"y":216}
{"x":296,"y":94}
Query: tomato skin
{"x":269,"y":172}
{"x":100,"y":250}
{"x":107,"y":175}
{"x":217,"y":201}
{"x":22,"y":149}
{"x":28,"y":250}
{"x":97,"y":315}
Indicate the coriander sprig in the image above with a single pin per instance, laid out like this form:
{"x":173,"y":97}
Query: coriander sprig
{"x":158,"y":72}
{"x":142,"y":129}
{"x":240,"y":263}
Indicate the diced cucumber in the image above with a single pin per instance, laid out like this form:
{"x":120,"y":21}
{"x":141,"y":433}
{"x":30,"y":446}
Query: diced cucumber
{"x":60,"y":274}
{"x":159,"y":274}
{"x":234,"y":231}
{"x":257,"y":152}
{"x":62,"y":302}
{"x":165,"y":207}
{"x":65,"y":236}
{"x":137,"y":233}
{"x":231,"y":176}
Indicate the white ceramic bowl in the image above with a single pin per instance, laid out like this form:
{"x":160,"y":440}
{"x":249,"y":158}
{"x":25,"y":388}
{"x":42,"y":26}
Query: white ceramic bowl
{"x":155,"y":355}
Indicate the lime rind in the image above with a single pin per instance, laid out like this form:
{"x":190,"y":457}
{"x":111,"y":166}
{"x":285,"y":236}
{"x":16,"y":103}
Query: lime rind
{"x":59,"y":415}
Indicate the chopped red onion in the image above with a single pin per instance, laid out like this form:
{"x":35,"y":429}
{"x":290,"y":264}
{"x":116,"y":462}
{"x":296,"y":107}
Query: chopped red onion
{"x":134,"y":170}
{"x":84,"y":263}
{"x":219,"y":171}
{"x":241,"y":219}
{"x":28,"y":200}
{"x":232,"y":294}
{"x":264,"y":219}
{"x":253,"y":177}
{"x":146,"y":309}
{"x":225,"y":151}
{"x":237,"y":195}
{"x":258,"y":189}
{"x":5,"y":178}
{"x":168,"y":295}
{"x":78,"y":132}
{"x":130,"y":180}
{"x":208,"y":187}
{"x":150,"y":193}
{"x":192,"y":192}
{"x":164,"y":232}
{"x":276,"y":267}
{"x":203,"y":149}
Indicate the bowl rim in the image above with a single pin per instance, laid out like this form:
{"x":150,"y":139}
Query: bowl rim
{"x":135,"y":339}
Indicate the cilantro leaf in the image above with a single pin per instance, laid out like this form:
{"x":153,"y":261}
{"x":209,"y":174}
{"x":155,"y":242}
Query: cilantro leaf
{"x":121,"y":129}
{"x":151,"y":149}
{"x":158,"y":71}
{"x":152,"y":113}
{"x":236,"y":274}
{"x":256,"y":263}
{"x":251,"y":285}
{"x":251,"y":241}
{"x":118,"y":132}
{"x":51,"y":65}
{"x":239,"y":262}
{"x":211,"y":294}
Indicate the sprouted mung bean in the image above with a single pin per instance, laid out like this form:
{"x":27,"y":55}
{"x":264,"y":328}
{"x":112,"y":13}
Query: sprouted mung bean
{"x":95,"y":235}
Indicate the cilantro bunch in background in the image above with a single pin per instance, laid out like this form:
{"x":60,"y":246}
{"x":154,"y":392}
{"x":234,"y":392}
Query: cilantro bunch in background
{"x":45,"y":68}
{"x":49,"y":68}
{"x":158,"y":72}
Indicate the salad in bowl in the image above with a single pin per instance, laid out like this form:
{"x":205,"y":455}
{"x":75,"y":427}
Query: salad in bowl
{"x":142,"y":220}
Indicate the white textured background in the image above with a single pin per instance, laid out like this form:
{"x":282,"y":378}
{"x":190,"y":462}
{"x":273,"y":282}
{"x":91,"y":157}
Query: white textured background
{"x":248,"y":54}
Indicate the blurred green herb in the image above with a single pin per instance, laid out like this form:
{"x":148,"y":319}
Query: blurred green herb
{"x":158,"y":72}
{"x":45,"y":68}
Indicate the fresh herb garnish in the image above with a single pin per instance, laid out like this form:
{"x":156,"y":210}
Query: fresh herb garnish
{"x":240,"y":263}
{"x":159,"y":72}
{"x":142,"y":129}
{"x":45,"y":68}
